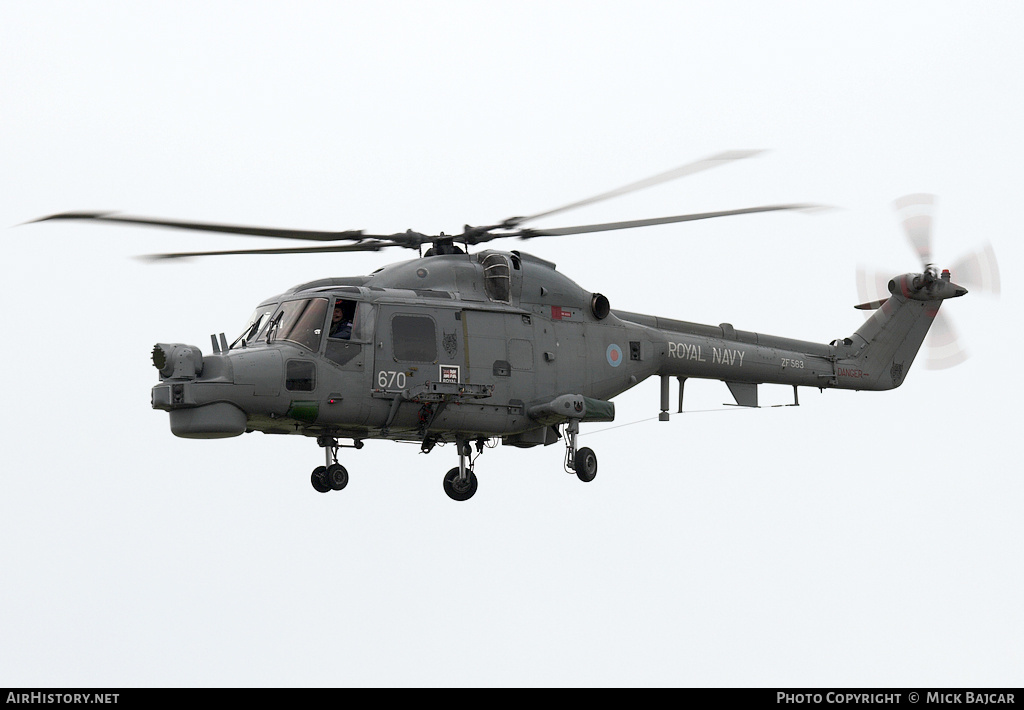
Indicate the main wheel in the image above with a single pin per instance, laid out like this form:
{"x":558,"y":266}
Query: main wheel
{"x":586,"y":464}
{"x":319,"y":479}
{"x":459,"y":490}
{"x":336,"y":476}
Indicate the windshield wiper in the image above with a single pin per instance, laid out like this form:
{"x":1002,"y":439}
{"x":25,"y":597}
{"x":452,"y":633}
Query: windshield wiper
{"x":272,"y":328}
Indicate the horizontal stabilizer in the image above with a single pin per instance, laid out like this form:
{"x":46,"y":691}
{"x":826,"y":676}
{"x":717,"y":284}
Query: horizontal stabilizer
{"x":745,"y":393}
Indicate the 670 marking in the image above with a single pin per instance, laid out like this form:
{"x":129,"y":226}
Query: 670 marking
{"x":390,"y":378}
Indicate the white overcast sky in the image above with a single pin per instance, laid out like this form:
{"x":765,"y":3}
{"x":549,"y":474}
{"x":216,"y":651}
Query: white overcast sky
{"x":857,"y":540}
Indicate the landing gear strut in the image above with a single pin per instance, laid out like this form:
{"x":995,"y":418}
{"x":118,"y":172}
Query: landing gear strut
{"x":582,"y":462}
{"x":332,"y":476}
{"x":460,"y":482}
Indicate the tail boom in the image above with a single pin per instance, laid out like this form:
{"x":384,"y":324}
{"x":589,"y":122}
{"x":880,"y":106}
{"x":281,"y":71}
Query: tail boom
{"x":876,"y":357}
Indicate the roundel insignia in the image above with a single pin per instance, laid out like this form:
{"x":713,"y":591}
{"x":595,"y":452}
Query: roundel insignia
{"x":614,"y":355}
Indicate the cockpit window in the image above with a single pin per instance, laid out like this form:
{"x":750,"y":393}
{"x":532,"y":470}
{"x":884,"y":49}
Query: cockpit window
{"x":350,"y":326}
{"x":299,"y":322}
{"x":342,"y":319}
{"x":255,"y":324}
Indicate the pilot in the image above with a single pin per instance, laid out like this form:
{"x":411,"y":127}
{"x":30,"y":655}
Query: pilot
{"x":341,"y":321}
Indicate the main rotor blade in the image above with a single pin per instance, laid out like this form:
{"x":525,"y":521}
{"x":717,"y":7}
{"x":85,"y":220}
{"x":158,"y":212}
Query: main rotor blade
{"x":560,"y":231}
{"x":688,"y":169}
{"x":978,"y":270}
{"x":916,"y":213}
{"x":369,"y":246}
{"x":308,"y":235}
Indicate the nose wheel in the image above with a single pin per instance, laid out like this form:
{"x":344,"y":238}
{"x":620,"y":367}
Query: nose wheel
{"x":333,"y":476}
{"x":319,"y":479}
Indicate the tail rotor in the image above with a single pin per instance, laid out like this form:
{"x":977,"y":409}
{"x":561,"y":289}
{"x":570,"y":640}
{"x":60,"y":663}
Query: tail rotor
{"x":977,"y":270}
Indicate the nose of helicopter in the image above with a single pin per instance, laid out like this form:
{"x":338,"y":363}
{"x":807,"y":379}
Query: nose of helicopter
{"x":186,"y":392}
{"x":219,"y":420}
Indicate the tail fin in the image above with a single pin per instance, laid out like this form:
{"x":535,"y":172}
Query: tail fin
{"x":883,"y":349}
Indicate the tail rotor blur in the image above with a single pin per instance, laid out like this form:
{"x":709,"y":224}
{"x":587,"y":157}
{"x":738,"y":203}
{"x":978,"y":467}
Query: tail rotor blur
{"x":917,"y":212}
{"x":977,"y":270}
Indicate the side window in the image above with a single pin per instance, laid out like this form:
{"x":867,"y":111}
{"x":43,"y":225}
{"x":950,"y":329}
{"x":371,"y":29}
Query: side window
{"x":414,"y":338}
{"x":347,"y":333}
{"x":362,"y":329}
{"x":342,"y":319}
{"x":300,"y":376}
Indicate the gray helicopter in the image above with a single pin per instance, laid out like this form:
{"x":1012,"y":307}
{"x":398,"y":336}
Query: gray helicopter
{"x":473,"y":347}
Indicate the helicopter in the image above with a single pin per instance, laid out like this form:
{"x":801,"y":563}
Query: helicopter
{"x":475,"y":347}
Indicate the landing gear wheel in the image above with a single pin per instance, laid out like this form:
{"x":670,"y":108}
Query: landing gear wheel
{"x":586,"y":464}
{"x":459,"y":490}
{"x":319,"y":479}
{"x":336,"y":477}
